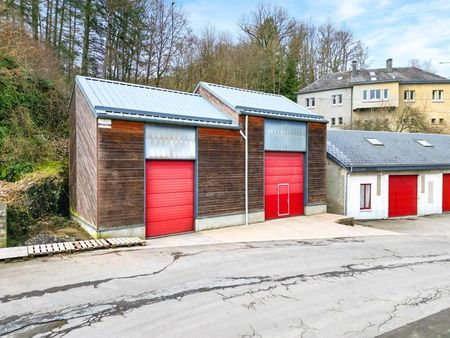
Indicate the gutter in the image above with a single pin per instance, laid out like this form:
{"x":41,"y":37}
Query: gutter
{"x":283,"y":116}
{"x":165,"y":120}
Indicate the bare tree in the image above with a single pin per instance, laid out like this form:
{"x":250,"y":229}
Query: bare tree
{"x":425,"y":65}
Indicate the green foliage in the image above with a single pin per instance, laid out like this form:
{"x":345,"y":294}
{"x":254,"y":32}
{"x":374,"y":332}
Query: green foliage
{"x":8,"y":62}
{"x":45,"y":195}
{"x":15,"y":171}
{"x":32,"y":112}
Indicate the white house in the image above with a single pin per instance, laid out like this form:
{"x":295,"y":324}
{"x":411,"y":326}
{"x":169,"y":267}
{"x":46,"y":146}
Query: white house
{"x":375,"y":175}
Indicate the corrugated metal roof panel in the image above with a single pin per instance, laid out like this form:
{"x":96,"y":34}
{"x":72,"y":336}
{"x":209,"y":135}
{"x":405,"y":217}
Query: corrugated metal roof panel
{"x":116,"y":99}
{"x":399,"y":150}
{"x":243,"y":100}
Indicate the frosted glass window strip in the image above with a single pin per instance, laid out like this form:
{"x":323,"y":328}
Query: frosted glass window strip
{"x":282,"y":135}
{"x":169,"y":142}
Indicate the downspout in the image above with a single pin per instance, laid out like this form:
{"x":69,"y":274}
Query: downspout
{"x":347,"y":173}
{"x":245,"y":136}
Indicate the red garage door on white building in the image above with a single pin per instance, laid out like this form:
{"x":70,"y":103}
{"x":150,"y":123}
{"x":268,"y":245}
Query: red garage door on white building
{"x":402,"y":195}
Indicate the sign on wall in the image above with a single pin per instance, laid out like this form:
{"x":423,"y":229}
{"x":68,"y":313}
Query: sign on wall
{"x":104,"y":123}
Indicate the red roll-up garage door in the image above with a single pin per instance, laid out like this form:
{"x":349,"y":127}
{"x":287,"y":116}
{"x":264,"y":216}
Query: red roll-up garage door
{"x":169,"y":197}
{"x":402,"y":195}
{"x":446,"y":193}
{"x":283,"y":183}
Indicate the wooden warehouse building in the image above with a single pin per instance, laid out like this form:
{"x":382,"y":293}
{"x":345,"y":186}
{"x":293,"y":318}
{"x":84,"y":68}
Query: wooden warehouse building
{"x":149,"y":162}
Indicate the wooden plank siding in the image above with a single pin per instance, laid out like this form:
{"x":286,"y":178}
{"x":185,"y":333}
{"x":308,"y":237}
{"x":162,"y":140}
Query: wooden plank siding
{"x":83,"y":160}
{"x":220,"y":172}
{"x":121,"y":174}
{"x":317,"y":151}
{"x":208,"y":96}
{"x":255,"y":162}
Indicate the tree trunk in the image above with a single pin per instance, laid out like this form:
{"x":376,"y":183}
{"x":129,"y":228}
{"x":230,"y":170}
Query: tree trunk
{"x":87,"y":31}
{"x":35,"y":18}
{"x":55,"y":24}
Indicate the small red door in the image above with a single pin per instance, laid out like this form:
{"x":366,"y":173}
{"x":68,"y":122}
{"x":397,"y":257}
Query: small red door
{"x":402,"y":195}
{"x":169,"y":197}
{"x":283,"y":199}
{"x":283,"y":184}
{"x":446,"y":193}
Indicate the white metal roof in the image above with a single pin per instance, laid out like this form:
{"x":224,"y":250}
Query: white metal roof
{"x":250,"y":101}
{"x":113,"y":99}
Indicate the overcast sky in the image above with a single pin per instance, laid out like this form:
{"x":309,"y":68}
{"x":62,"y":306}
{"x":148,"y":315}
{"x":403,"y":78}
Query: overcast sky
{"x":398,"y":29}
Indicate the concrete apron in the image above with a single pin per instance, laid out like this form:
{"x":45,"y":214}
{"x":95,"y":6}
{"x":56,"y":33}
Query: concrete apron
{"x":291,"y":228}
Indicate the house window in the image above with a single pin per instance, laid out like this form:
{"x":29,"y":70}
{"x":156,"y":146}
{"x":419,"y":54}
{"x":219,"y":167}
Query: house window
{"x":310,"y":102}
{"x":365,"y":197}
{"x":438,"y":95}
{"x":409,"y":95}
{"x":385,"y":94}
{"x":333,"y":121}
{"x":336,"y":99}
{"x":340,"y":120}
{"x":433,"y":121}
{"x":373,"y":95}
{"x":441,"y":121}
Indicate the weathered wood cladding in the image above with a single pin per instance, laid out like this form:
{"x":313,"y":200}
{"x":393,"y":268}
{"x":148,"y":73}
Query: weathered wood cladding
{"x":255,"y":162}
{"x":83,"y":160}
{"x":121,"y":174}
{"x":217,"y":103}
{"x":220,"y":172}
{"x":317,"y":151}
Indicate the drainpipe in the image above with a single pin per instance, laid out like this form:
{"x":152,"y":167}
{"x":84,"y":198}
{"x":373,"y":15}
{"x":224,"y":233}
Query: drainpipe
{"x":245,"y":136}
{"x":347,"y":174}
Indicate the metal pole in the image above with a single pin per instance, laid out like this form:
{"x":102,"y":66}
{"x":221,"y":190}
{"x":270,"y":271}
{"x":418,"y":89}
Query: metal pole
{"x":246,"y":169}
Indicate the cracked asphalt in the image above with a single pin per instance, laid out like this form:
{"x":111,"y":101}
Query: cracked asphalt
{"x":346,"y":287}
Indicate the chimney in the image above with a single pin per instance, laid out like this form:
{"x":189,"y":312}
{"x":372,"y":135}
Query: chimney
{"x":354,"y":71}
{"x":389,"y":65}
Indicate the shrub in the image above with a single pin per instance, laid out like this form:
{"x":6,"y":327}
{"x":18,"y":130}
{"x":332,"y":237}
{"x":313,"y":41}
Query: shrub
{"x":37,"y":196}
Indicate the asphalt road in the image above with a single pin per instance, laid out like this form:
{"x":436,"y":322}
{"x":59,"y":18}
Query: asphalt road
{"x":355,"y":287}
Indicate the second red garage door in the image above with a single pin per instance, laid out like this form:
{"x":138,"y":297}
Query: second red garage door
{"x":283,"y":184}
{"x":402,"y":195}
{"x":446,"y":193}
{"x":169,"y":197}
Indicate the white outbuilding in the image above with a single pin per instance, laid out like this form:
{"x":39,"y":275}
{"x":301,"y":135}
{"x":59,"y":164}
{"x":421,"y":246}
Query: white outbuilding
{"x":376,"y":175}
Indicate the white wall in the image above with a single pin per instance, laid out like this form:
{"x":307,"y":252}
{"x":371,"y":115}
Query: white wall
{"x":429,"y":200}
{"x":379,"y":205}
{"x":325,"y":107}
{"x":429,"y":194}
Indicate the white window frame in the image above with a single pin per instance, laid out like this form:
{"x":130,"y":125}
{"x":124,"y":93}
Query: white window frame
{"x":367,"y":95}
{"x":336,"y":100}
{"x":310,"y":102}
{"x":440,"y":95}
{"x":386,"y":94}
{"x":409,"y":95}
{"x":340,"y":121}
{"x":333,"y":121}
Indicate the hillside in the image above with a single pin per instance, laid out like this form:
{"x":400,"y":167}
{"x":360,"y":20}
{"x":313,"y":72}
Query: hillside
{"x":34,"y":102}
